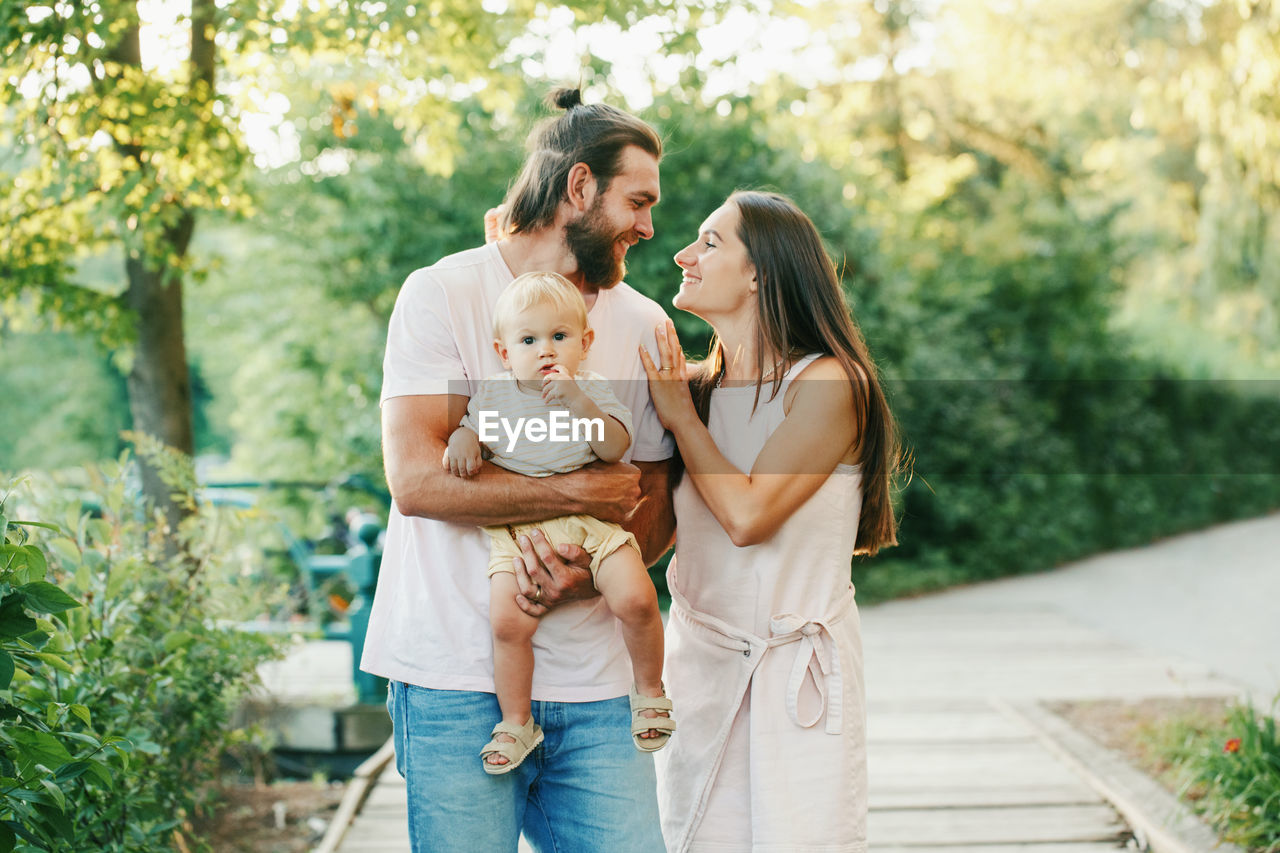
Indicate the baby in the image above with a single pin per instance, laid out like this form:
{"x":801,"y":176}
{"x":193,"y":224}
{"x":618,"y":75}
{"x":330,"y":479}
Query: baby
{"x":542,"y":336}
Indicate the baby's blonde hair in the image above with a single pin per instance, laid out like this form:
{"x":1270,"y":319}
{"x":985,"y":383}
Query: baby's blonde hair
{"x":537,"y":288}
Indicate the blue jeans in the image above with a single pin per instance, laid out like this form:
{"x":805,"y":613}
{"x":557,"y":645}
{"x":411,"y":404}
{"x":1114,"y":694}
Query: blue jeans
{"x":585,"y":789}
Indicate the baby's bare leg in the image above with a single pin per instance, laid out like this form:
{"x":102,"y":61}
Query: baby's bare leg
{"x":513,"y":631}
{"x":626,"y":588}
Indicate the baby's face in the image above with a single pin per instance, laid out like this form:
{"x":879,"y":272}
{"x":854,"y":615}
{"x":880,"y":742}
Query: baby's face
{"x":538,"y":339}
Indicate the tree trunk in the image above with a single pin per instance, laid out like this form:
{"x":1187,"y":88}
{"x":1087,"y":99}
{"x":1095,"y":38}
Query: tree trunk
{"x":159,"y":382}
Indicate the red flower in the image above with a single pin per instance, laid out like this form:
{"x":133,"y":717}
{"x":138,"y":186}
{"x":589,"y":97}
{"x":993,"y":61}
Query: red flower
{"x":1232,"y":745}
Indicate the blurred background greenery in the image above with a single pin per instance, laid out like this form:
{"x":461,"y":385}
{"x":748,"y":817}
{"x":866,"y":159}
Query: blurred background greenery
{"x":1056,"y":222}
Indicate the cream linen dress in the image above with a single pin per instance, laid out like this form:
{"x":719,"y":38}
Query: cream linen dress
{"x":764,"y":665}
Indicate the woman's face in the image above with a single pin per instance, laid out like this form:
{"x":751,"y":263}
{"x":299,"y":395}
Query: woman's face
{"x":719,"y":279}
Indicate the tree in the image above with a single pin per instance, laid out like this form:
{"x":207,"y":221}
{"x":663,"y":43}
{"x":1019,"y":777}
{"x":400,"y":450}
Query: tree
{"x":109,"y":146}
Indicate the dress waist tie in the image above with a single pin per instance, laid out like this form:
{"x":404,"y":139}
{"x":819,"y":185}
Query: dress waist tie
{"x":816,"y":656}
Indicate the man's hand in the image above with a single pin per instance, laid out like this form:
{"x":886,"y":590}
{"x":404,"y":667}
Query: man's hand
{"x":609,"y":491}
{"x":547,"y":578}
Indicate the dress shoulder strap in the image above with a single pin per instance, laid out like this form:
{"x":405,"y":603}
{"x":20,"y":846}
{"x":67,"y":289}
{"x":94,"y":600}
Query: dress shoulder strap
{"x":799,"y":366}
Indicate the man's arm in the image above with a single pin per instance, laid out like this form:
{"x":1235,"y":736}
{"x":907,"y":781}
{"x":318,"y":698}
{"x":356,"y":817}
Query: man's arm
{"x":415,"y":433}
{"x":654,"y":520}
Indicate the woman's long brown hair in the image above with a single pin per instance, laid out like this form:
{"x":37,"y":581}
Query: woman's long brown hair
{"x":801,"y":310}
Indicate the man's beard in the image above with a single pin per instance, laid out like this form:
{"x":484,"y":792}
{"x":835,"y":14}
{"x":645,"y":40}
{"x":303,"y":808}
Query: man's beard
{"x":592,"y":243}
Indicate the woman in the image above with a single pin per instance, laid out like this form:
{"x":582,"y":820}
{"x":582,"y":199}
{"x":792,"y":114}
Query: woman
{"x":788,"y":449}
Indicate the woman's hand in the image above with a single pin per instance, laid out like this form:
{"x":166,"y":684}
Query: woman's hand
{"x":669,"y":382}
{"x":492,"y":218}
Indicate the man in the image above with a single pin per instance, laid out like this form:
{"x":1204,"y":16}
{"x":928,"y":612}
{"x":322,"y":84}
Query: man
{"x":584,"y":197}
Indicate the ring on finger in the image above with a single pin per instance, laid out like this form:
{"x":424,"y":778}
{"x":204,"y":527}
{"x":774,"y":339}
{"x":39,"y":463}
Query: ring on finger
{"x":537,"y":595}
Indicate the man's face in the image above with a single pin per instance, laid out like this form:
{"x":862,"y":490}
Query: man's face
{"x":617,"y":219}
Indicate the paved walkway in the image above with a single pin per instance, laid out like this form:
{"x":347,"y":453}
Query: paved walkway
{"x":954,"y":768}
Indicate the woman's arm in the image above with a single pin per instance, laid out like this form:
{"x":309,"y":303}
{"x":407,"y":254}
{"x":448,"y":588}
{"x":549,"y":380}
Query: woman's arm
{"x":818,"y":431}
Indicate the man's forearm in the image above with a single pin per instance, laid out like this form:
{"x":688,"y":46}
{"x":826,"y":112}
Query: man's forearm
{"x":492,"y":496}
{"x":654,"y":520}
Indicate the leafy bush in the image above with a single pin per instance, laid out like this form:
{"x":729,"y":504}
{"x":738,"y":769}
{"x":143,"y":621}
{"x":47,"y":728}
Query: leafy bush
{"x":1037,"y":438}
{"x":139,"y":684}
{"x":47,"y":745}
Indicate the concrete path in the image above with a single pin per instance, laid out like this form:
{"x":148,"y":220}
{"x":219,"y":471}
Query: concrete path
{"x":954,"y":768}
{"x":1212,"y":597}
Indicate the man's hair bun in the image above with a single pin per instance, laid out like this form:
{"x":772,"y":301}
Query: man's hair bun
{"x":566,"y":99}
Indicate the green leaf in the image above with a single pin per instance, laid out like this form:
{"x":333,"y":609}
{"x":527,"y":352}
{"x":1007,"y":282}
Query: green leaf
{"x":55,"y":528}
{"x":122,"y":748}
{"x":37,"y":566}
{"x":102,"y":772}
{"x":57,"y":662}
{"x":80,"y":737}
{"x":100,"y":530}
{"x":56,"y":820}
{"x":14,"y":621}
{"x":115,"y":583}
{"x":177,"y":640}
{"x":56,"y":793}
{"x":29,"y":796}
{"x":66,"y":551}
{"x":6,"y":669}
{"x":94,"y":559}
{"x":11,"y":557}
{"x":74,"y":770}
{"x":7,"y":838}
{"x":82,"y":713}
{"x":149,"y":747}
{"x":36,"y":639}
{"x":41,"y":748}
{"x":39,"y":842}
{"x":44,"y":597}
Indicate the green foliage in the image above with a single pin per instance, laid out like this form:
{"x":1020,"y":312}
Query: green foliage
{"x":49,"y":748}
{"x":1230,"y":772}
{"x":66,"y":403}
{"x":128,"y":665}
{"x":708,"y":156}
{"x":1046,"y":221}
{"x":1035,"y":437}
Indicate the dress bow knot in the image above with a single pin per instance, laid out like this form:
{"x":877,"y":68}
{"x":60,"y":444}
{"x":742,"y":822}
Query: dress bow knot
{"x":816,"y":657}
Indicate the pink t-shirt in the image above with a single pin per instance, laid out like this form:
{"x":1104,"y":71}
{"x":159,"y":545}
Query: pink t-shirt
{"x":430,"y":620}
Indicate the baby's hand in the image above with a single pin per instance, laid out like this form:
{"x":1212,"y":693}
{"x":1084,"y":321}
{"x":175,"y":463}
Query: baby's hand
{"x":462,"y":455}
{"x":559,"y":386}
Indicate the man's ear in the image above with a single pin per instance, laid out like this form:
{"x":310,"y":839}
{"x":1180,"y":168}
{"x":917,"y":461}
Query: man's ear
{"x":588,"y":337}
{"x":581,"y":187}
{"x":501,"y":351}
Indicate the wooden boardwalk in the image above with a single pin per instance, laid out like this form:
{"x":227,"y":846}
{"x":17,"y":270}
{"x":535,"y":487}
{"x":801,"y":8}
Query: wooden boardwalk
{"x":953,"y":766}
